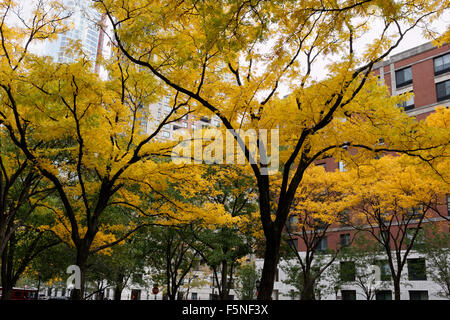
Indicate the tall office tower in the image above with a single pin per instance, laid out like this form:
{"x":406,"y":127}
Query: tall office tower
{"x":84,"y":24}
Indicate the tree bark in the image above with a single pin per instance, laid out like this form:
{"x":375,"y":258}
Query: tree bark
{"x":118,"y":293}
{"x":271,"y":257}
{"x":308,"y":291}
{"x":224,"y":292}
{"x":81,"y":262}
{"x":8,"y":281}
{"x":396,"y":281}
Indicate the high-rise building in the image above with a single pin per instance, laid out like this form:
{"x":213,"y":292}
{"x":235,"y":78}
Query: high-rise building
{"x":159,"y":110}
{"x":84,"y":24}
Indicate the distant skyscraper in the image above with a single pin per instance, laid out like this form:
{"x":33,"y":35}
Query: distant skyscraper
{"x":84,"y":24}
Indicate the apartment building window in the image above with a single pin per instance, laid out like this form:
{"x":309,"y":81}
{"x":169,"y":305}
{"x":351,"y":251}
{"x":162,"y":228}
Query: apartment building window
{"x":383,"y":295}
{"x":385,"y":237}
{"x":403,"y":77}
{"x":407,"y":105}
{"x":292,"y":224}
{"x":448,"y":204}
{"x":342,"y":166}
{"x":420,"y":237}
{"x":322,"y":244}
{"x":144,"y":127}
{"x":347,"y":271}
{"x":442,"y":64}
{"x":385,"y":270}
{"x":344,"y":217}
{"x":345,"y":240}
{"x":417,"y":269}
{"x":348,"y":294}
{"x":414,"y":212}
{"x":194,"y":296}
{"x":443,"y":90}
{"x":418,"y":295}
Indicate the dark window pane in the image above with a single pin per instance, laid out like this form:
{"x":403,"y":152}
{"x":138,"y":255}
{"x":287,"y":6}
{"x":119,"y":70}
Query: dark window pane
{"x":347,"y":271}
{"x":442,"y":64}
{"x":418,"y":295}
{"x":443,"y":90}
{"x":345,"y":239}
{"x":385,"y":271}
{"x":322,"y":244}
{"x":448,"y":204}
{"x":384,"y":295}
{"x":348,"y":294}
{"x":403,"y":77}
{"x":417,"y":270}
{"x":407,"y":105}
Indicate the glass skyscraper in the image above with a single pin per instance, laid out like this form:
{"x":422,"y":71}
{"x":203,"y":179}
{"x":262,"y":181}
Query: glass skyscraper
{"x":84,"y":24}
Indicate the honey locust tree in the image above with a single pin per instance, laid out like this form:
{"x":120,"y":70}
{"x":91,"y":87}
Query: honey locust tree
{"x":233,"y":57}
{"x":440,"y":119}
{"x":24,"y":245}
{"x":22,"y":190}
{"x":393,"y":200}
{"x":124,"y":265}
{"x":219,"y":242}
{"x":82,"y":135}
{"x":24,"y":197}
{"x":170,"y":257}
{"x":436,"y":248}
{"x":321,"y":201}
{"x":222,"y":246}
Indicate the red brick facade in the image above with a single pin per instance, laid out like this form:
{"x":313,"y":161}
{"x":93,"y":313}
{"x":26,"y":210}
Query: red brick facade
{"x":421,"y":61}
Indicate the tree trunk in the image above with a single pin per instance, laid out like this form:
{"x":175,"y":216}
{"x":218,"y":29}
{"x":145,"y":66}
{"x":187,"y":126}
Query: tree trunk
{"x":224,"y":292}
{"x":396,"y":281}
{"x":6,"y":290}
{"x":308,"y":291}
{"x":6,"y":269}
{"x":271,"y":256}
{"x":81,"y":262}
{"x":118,"y":293}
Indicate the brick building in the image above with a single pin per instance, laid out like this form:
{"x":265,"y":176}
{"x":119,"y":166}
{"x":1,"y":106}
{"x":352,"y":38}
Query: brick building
{"x":424,"y":71}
